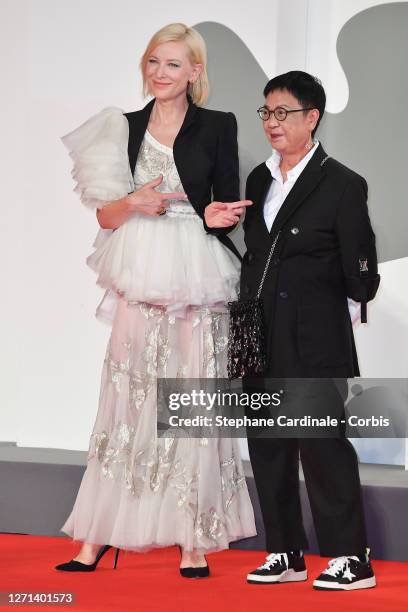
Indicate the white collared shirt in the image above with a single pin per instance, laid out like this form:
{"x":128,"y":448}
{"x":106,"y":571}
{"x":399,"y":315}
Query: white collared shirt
{"x":279,"y":189}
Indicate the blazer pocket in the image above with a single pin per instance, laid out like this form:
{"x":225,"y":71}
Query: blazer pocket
{"x":324,"y":335}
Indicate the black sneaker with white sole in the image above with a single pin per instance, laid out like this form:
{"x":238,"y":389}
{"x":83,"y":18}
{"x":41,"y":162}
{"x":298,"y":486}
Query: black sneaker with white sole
{"x":280,"y":567}
{"x":346,"y":574}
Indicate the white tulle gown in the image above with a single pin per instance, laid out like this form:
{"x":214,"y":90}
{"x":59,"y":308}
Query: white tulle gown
{"x":167,"y":282}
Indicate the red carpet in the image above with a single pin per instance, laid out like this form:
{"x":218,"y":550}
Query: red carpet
{"x":150,"y":581}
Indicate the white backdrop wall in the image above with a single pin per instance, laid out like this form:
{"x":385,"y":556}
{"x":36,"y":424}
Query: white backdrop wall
{"x":69,"y":60}
{"x":62,"y":62}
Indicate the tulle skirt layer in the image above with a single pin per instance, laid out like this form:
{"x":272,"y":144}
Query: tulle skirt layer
{"x":168,"y":260}
{"x":139,"y":490}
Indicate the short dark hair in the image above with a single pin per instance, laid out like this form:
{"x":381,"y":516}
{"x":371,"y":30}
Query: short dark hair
{"x":306,"y":88}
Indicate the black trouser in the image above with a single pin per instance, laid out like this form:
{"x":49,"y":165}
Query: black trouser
{"x":330,"y":467}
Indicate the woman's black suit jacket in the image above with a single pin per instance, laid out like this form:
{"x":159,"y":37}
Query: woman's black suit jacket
{"x":326,"y":237}
{"x":206,"y":156}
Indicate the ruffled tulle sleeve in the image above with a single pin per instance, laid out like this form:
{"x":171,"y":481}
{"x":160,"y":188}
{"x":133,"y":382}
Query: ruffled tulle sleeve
{"x":98,"y":149}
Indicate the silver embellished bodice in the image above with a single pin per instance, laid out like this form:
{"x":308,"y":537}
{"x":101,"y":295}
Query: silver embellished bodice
{"x":154,"y":159}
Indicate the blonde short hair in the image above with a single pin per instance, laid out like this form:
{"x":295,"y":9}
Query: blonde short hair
{"x":197,"y":52}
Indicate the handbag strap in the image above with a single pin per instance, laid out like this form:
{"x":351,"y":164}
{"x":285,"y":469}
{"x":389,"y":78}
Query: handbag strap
{"x":267,"y":265}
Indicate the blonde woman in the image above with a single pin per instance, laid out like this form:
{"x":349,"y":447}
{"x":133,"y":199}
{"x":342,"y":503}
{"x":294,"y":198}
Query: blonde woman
{"x":150,"y":174}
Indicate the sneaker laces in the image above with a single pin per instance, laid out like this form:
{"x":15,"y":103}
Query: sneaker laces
{"x":338,"y":565}
{"x":274,"y":559}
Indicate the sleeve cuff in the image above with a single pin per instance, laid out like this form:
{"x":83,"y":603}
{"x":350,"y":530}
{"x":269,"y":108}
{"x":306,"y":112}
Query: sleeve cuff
{"x":359,"y":289}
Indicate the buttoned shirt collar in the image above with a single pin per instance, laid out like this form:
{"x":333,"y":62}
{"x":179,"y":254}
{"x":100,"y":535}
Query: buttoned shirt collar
{"x":274,"y":161}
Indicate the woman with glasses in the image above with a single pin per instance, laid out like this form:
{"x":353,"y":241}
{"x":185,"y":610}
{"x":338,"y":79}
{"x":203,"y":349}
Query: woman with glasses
{"x":149,"y":175}
{"x":325,"y":253}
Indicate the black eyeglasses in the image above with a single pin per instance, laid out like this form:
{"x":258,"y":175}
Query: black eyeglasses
{"x":279,"y":112}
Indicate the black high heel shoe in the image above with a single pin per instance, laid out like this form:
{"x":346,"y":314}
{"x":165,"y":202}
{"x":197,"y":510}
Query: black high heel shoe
{"x":77,"y":566}
{"x":194,"y":572}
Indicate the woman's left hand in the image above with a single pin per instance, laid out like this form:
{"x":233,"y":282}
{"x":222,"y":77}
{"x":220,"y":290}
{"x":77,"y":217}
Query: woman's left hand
{"x":225,"y":214}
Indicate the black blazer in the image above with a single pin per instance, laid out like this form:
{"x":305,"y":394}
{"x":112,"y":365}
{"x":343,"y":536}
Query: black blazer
{"x":206,"y":156}
{"x":325,"y":253}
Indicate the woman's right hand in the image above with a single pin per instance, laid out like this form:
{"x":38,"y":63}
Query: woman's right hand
{"x":148,"y":201}
{"x":225,"y":214}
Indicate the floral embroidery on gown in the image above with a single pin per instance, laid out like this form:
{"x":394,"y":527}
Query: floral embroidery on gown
{"x":166,"y":283}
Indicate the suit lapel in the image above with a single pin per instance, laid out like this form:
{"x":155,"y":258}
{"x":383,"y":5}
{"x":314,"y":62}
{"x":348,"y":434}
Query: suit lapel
{"x":137,"y":126}
{"x":188,"y":119}
{"x":262,"y":187}
{"x":305,"y":184}
{"x":182,"y":147}
{"x":138,"y":122}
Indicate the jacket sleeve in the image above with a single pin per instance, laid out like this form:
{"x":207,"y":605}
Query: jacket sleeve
{"x":248,"y":196}
{"x":357,"y":244}
{"x":226,"y":173}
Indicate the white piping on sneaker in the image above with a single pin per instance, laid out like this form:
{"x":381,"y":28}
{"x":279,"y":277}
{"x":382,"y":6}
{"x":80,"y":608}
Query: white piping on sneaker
{"x":273,"y":559}
{"x":338,"y":564}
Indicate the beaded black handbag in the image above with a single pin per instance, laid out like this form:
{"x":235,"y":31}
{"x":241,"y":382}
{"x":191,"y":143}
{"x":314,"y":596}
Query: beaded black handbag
{"x":246,"y":342}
